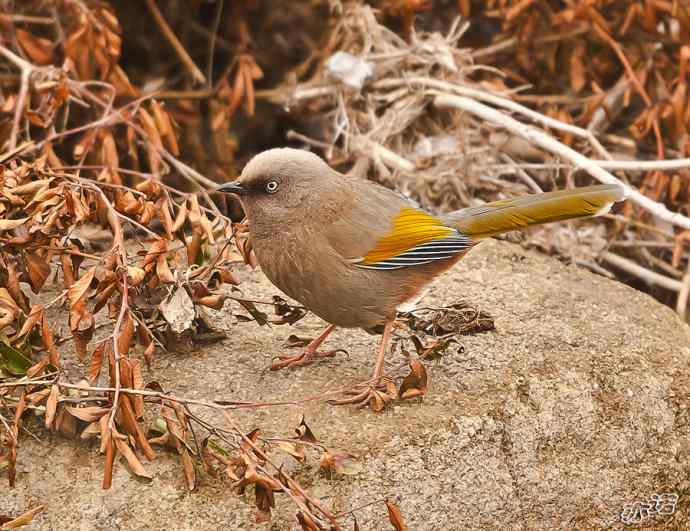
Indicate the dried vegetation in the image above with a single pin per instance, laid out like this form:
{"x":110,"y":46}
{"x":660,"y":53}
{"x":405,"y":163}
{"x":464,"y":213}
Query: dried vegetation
{"x":453,"y":103}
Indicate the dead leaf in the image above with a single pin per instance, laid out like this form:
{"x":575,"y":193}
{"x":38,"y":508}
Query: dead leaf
{"x":35,"y":315}
{"x":306,"y":522}
{"x":304,"y":433}
{"x":9,"y":224}
{"x":24,"y":519}
{"x":51,"y":406}
{"x":188,"y":466}
{"x":132,"y":460}
{"x":38,"y":270}
{"x":395,"y":516}
{"x":179,"y":311}
{"x":88,"y":414}
{"x":293,"y":449}
{"x":109,"y":459}
{"x":77,"y":291}
{"x":415,"y":383}
{"x":339,"y":462}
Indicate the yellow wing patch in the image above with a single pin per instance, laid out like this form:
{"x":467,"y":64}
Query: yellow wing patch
{"x":411,"y":228}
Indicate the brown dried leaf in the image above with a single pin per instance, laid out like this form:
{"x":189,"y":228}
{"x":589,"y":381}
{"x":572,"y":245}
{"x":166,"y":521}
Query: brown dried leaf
{"x":35,"y":315}
{"x":51,"y":406}
{"x":129,"y":420}
{"x":38,"y":270}
{"x":148,"y":353}
{"x":132,"y":460}
{"x":293,"y":449}
{"x":339,"y":462}
{"x":181,"y":217}
{"x":39,"y":50}
{"x":109,"y":156}
{"x":91,"y":431}
{"x":304,"y":433}
{"x":164,"y":125}
{"x":9,"y":224}
{"x":88,"y":414}
{"x":137,"y":383}
{"x":163,"y":269}
{"x":395,"y":516}
{"x":306,"y":522}
{"x":124,"y":340}
{"x":24,"y":519}
{"x":109,"y":460}
{"x":97,"y":362}
{"x":415,"y":383}
{"x":135,"y":275}
{"x":49,"y":341}
{"x":77,"y":291}
{"x":188,"y":466}
{"x":163,"y":213}
{"x":153,"y":138}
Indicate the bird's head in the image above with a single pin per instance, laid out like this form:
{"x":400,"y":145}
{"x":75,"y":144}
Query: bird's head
{"x":277,"y":183}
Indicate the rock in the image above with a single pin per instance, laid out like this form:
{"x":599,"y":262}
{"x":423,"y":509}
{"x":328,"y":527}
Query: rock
{"x":576,"y":405}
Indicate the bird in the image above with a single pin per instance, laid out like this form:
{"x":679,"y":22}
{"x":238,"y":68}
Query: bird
{"x":355,"y":253}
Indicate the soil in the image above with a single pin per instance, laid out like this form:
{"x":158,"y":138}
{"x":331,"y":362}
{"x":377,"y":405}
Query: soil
{"x":576,"y":405}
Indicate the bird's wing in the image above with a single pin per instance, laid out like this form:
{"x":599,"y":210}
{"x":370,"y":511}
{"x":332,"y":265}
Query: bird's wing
{"x":415,"y":238}
{"x":385,"y":230}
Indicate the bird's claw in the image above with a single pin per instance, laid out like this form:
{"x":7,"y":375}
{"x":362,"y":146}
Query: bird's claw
{"x":376,"y":396}
{"x":304,"y":358}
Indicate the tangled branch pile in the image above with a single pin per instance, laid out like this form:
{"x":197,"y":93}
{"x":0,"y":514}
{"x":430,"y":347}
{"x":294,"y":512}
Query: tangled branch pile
{"x":99,"y":105}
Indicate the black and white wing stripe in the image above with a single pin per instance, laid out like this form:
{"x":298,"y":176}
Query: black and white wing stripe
{"x":439,"y":249}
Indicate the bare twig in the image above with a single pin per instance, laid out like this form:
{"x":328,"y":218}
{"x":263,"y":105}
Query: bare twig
{"x":186,"y":59}
{"x":212,"y":43}
{"x":26,"y":69}
{"x":684,"y":295}
{"x":549,"y":143}
{"x":650,"y":277}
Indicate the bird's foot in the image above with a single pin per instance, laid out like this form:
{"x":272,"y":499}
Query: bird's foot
{"x":374,"y":395}
{"x":306,"y":357}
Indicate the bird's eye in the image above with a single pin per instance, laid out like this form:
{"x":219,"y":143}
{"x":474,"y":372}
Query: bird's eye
{"x":271,"y":186}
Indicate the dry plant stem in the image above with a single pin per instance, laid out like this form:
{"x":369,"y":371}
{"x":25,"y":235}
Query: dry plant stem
{"x":175,"y":43}
{"x":118,"y":248}
{"x":218,"y":404}
{"x":624,"y":165}
{"x":683,"y":295}
{"x":497,"y":100}
{"x":643,"y":165}
{"x":650,"y":277}
{"x":531,"y":183}
{"x":26,"y":71}
{"x":547,"y":142}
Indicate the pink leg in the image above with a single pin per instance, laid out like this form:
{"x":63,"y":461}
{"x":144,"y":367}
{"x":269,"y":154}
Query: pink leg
{"x":376,"y":393}
{"x":308,"y":355}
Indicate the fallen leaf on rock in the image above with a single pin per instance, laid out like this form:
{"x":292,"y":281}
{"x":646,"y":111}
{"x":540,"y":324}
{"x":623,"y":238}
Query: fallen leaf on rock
{"x":415,"y":383}
{"x":178,"y":310}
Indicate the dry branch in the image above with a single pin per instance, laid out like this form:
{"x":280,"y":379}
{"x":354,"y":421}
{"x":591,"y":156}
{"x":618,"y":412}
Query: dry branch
{"x":547,"y":142}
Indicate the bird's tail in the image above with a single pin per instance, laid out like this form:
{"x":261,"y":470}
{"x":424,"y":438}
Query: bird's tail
{"x":520,"y":212}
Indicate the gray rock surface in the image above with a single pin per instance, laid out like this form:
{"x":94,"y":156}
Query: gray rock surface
{"x":574,"y":406}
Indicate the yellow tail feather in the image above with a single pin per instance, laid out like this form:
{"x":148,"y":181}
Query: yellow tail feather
{"x":511,"y":214}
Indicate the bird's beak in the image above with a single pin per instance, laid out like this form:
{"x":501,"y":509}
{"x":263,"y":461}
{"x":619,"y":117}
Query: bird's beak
{"x":232,"y":188}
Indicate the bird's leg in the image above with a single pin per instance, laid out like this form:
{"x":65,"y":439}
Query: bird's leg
{"x":308,"y":355}
{"x":376,"y":392}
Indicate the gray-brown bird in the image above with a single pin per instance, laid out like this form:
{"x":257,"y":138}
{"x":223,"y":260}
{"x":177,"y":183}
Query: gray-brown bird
{"x":354,"y":252}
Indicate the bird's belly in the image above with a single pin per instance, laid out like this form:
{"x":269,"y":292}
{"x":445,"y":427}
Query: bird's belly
{"x":327,"y":285}
{"x":336,"y":290}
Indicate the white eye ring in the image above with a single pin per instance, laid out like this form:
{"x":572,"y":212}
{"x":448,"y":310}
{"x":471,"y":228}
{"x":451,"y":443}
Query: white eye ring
{"x":271,"y":187}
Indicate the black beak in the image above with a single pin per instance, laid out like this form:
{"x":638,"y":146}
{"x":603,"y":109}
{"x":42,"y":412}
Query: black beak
{"x":231,"y":188}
